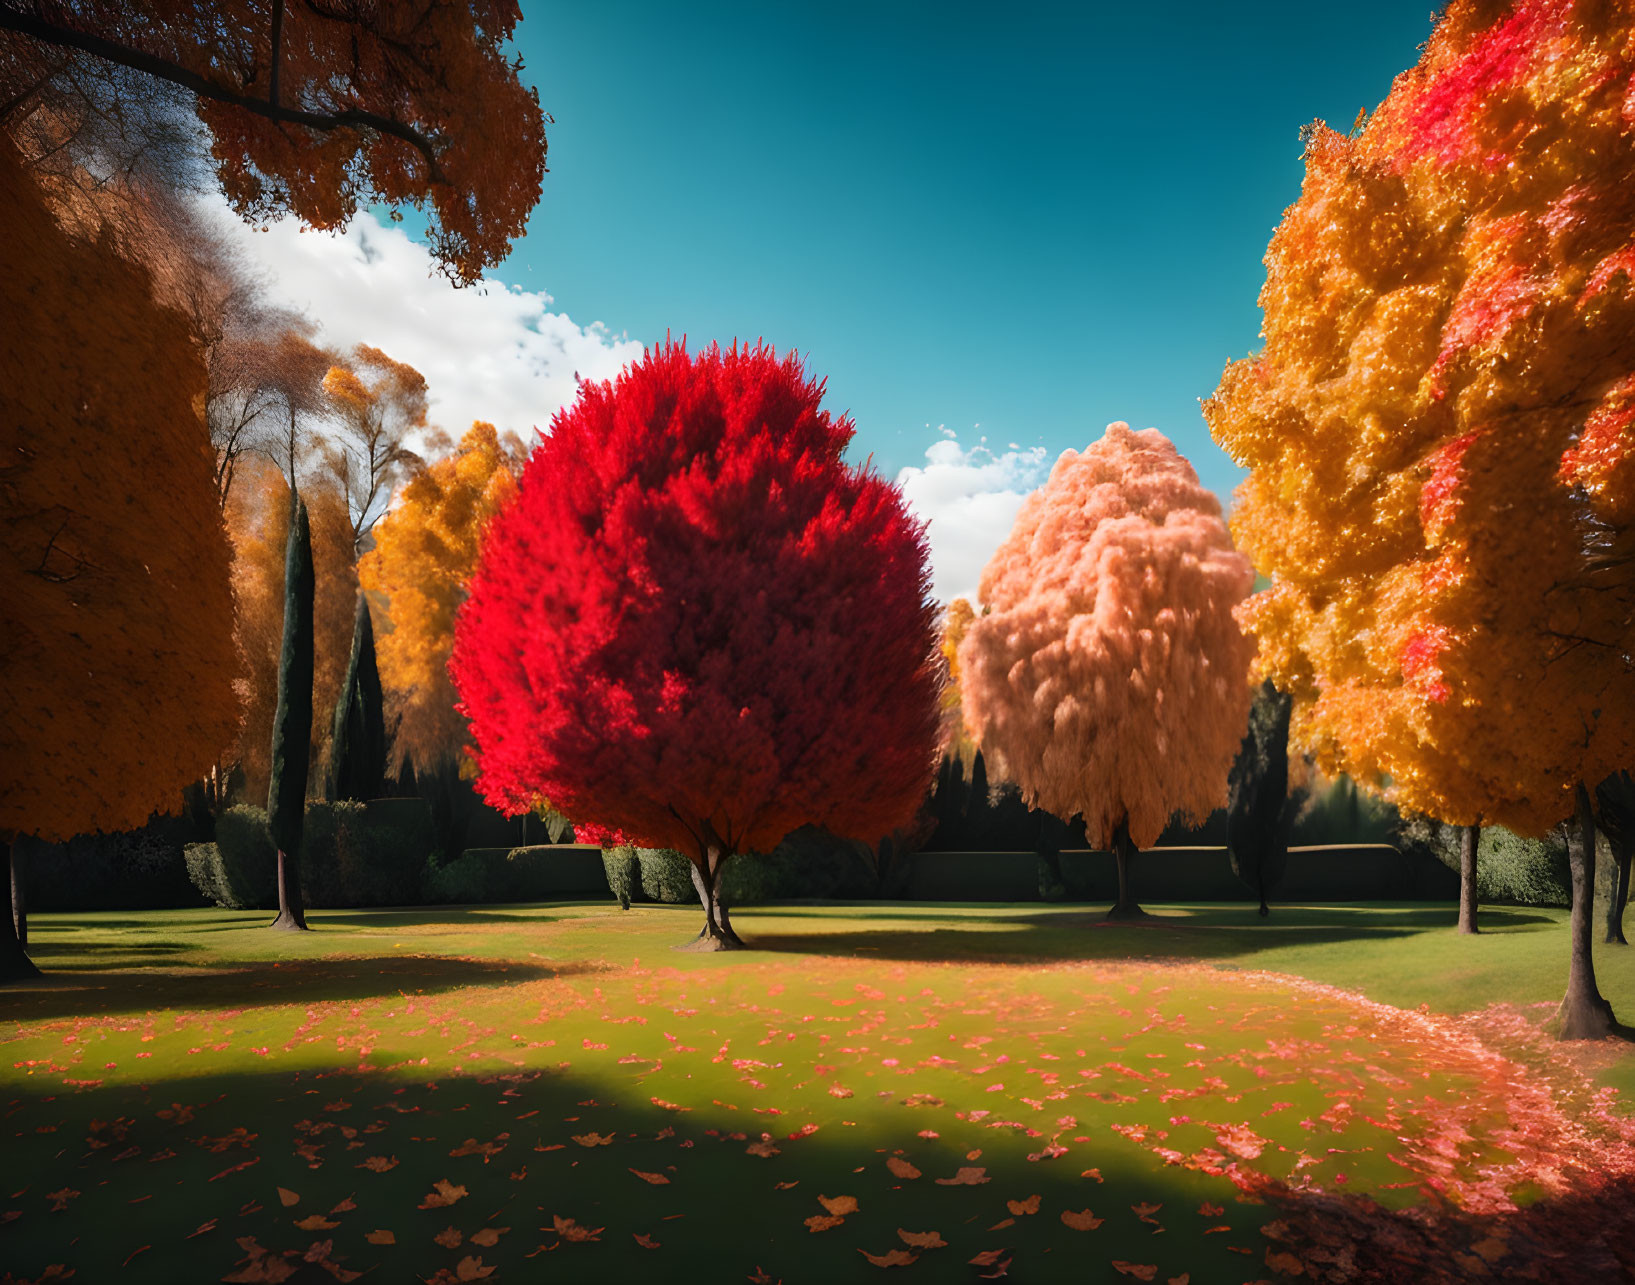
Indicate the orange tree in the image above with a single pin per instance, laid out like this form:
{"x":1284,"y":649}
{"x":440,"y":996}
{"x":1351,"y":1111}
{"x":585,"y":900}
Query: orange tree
{"x":425,"y":551}
{"x":1439,"y":434}
{"x":117,"y":683}
{"x":318,"y":108}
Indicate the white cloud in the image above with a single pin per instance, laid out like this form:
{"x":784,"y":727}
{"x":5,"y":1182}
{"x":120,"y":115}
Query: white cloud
{"x":489,"y":351}
{"x":970,"y":497}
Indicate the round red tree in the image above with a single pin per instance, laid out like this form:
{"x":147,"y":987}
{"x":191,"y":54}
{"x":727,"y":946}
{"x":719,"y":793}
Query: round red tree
{"x":697,"y":626}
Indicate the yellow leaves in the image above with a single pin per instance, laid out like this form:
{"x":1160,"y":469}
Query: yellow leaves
{"x":380,"y":1237}
{"x":593,"y":1139}
{"x":286,"y":1197}
{"x":1081,"y":1220}
{"x":570,"y":1230}
{"x":1020,"y":1207}
{"x":965,"y":1177}
{"x":443,"y":1194}
{"x":839,"y":1204}
{"x":656,"y":1179}
{"x":901,"y":1168}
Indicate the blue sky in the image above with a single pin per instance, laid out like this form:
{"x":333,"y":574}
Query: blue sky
{"x":1036,"y":218}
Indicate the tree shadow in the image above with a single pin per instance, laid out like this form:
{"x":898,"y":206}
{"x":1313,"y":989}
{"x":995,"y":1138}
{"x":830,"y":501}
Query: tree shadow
{"x":260,"y":983}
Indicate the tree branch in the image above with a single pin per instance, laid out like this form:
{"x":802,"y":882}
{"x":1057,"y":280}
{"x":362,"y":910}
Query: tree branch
{"x":136,"y":60}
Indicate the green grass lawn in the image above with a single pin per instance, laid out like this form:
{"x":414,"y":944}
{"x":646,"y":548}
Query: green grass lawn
{"x":446,"y":1093}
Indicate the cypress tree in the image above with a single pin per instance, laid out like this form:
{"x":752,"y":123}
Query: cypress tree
{"x":292,"y":720}
{"x":357,"y":750}
{"x":1258,"y":786}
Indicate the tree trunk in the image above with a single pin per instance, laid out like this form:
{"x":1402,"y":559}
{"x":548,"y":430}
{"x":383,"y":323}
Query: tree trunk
{"x":15,"y":964}
{"x":1621,"y":854}
{"x":291,"y":914}
{"x":1469,"y":837}
{"x":1124,"y":853}
{"x":19,"y":897}
{"x":1584,"y":1013}
{"x":717,"y":933}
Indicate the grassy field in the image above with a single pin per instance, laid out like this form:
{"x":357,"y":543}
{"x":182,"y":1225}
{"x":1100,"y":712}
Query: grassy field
{"x":446,"y":1094}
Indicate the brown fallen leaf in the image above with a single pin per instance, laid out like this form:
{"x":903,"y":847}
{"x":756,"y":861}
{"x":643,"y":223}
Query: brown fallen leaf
{"x":839,"y":1091}
{"x":965,"y":1177}
{"x":315,"y":1222}
{"x":901,"y":1168}
{"x":1141,"y":1271}
{"x":471,"y":1269}
{"x":785,"y":1186}
{"x":1145,"y":1212}
{"x":1020,"y":1207}
{"x":1285,"y":1262}
{"x":449,"y":1238}
{"x":1082,"y":1220}
{"x":1002,"y":1224}
{"x":764,"y":1148}
{"x":487,"y":1150}
{"x":987,"y":1258}
{"x":488,"y":1237}
{"x":839,"y":1204}
{"x":922,"y":1239}
{"x":380,"y":1236}
{"x":644,"y":1240}
{"x":593,"y":1139}
{"x":822,"y":1222}
{"x":1207,"y":1210}
{"x":1093,"y":1174}
{"x":286,"y":1197}
{"x":657,"y":1179}
{"x":570,"y":1230}
{"x":893,"y":1258}
{"x":1185,"y":1278}
{"x":443,"y":1194}
{"x":378,"y":1164}
{"x":345,"y":1207}
{"x":271,"y":1270}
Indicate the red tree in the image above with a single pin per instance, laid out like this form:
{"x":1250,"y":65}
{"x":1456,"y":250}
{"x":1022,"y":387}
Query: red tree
{"x":698,"y":626}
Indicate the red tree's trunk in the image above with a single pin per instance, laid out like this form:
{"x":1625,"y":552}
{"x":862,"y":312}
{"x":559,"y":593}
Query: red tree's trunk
{"x":1124,"y":853}
{"x":717,"y":933}
{"x":1621,"y":854}
{"x":1585,"y":1013}
{"x":14,"y":961}
{"x":19,"y":896}
{"x":1469,"y":836}
{"x":291,"y":914}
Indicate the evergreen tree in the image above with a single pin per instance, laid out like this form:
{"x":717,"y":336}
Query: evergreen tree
{"x":1256,"y":829}
{"x":357,"y":750}
{"x":292,"y":722}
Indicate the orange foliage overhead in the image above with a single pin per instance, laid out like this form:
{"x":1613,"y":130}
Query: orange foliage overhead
{"x":425,"y":551}
{"x":1106,"y":668}
{"x":321,"y":108}
{"x":1439,"y":429}
{"x":116,"y":689}
{"x":957,"y":742}
{"x":258,"y":518}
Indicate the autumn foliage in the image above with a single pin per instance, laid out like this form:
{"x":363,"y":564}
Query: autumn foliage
{"x":320,"y":109}
{"x":1440,"y":430}
{"x":111,"y":538}
{"x":1105,"y":668}
{"x":697,"y":624}
{"x":425,"y":551}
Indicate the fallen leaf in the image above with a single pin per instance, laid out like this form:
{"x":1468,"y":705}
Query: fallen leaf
{"x":1185,"y":1278}
{"x":345,"y":1207}
{"x":1491,"y":1249}
{"x":379,"y":1164}
{"x":966,"y":1177}
{"x":644,"y":1240}
{"x":570,"y":1230}
{"x":593,"y":1139}
{"x":901,"y":1168}
{"x":59,"y":1199}
{"x":839,"y":1091}
{"x":839,"y":1204}
{"x":1207,"y":1210}
{"x":449,"y":1238}
{"x":822,"y":1222}
{"x":785,"y":1186}
{"x":286,"y":1197}
{"x":1141,"y":1271}
{"x":1002,"y":1224}
{"x":1019,"y":1207}
{"x":1285,"y":1262}
{"x":763,"y":1148}
{"x":1082,"y":1220}
{"x":488,"y":1237}
{"x":922,"y":1239}
{"x":987,"y":1258}
{"x":443,"y":1194}
{"x":1094,"y":1174}
{"x":315,"y":1222}
{"x":471,"y":1269}
{"x":895,"y":1258}
{"x":657,"y":1179}
{"x":381,"y":1237}
{"x":1145,"y":1212}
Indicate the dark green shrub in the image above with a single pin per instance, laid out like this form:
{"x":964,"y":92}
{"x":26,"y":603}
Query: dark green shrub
{"x":1523,"y":872}
{"x":463,"y":881}
{"x":133,"y":870}
{"x":623,"y":874}
{"x":366,"y":854}
{"x":239,"y":870}
{"x":666,"y":876}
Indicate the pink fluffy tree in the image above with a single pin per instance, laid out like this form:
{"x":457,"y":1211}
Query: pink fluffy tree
{"x":1105,"y":670}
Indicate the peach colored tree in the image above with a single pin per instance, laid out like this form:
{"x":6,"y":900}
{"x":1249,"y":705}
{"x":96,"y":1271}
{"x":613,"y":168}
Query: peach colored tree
{"x":1105,"y":668}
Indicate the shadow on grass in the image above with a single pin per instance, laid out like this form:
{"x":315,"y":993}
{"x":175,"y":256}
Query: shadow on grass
{"x":86,"y":992}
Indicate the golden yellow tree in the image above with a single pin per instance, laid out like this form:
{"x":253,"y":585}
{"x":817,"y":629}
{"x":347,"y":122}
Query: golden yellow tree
{"x":1439,"y":432}
{"x":258,"y":514}
{"x":424,"y":553}
{"x":957,"y":742}
{"x":378,"y":402}
{"x":117,"y":682}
